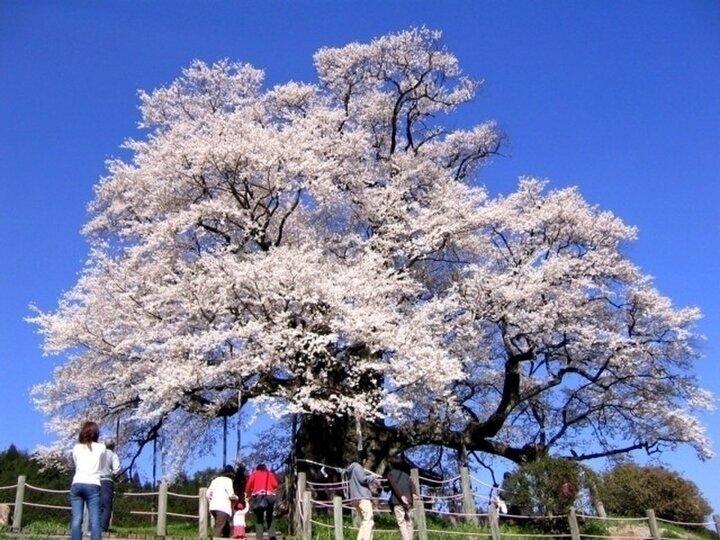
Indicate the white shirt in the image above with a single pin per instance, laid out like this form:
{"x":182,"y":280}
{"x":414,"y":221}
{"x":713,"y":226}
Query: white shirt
{"x":219,"y":492}
{"x":88,"y":463}
{"x":239,"y":516}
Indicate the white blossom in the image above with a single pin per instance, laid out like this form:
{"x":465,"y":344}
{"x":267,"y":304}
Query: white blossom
{"x":325,"y":248}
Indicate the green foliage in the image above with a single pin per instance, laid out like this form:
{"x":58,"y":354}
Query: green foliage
{"x":630,"y":489}
{"x":15,"y":463}
{"x":548,"y":486}
{"x":594,"y":527}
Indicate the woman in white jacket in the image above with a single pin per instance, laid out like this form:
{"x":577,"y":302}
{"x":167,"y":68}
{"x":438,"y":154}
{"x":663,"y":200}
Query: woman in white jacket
{"x":221,"y":495}
{"x":88,"y":457}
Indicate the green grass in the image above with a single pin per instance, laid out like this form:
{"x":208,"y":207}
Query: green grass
{"x":385,"y":529}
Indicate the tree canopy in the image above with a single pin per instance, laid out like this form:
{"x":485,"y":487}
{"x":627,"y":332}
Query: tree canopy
{"x":327,"y":249}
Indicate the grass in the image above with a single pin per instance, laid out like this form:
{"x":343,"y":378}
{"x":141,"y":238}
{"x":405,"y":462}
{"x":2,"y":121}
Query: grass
{"x":385,"y":529}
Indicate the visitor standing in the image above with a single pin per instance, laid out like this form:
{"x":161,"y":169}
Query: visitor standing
{"x":110,"y":469}
{"x":261,"y":490}
{"x":360,"y":494}
{"x":87,"y":457}
{"x":402,"y":493}
{"x":221,"y":495}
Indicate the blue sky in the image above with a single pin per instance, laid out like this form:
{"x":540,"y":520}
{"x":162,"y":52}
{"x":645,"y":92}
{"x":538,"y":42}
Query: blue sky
{"x":618,"y":98}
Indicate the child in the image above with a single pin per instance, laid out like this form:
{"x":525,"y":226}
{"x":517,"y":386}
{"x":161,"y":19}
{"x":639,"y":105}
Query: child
{"x":239,"y":519}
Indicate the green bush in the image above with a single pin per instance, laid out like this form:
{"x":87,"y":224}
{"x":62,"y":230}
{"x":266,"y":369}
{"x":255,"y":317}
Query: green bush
{"x":630,"y":490}
{"x":548,"y":486}
{"x":594,"y":527}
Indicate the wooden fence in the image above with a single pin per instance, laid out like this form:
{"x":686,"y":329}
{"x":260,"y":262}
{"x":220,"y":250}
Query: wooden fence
{"x":458,"y":507}
{"x":157,"y":499}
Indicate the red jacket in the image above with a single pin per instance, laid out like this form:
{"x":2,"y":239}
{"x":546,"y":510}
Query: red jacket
{"x":262,"y":482}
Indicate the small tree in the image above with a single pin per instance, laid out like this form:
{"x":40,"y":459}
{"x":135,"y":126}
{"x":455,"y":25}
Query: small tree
{"x":629,"y":490}
{"x":549,"y":486}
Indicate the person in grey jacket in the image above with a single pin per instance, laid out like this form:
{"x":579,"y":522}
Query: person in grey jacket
{"x":359,"y":481}
{"x":110,"y":469}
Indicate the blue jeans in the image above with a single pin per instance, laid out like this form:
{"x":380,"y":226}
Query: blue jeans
{"x":80,"y":495}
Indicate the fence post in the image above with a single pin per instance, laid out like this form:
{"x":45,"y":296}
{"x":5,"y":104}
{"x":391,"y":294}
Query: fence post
{"x":306,"y":517}
{"x":299,"y":494}
{"x":338,"y":517}
{"x":574,"y":529}
{"x":600,"y":509}
{"x":468,"y":499}
{"x":19,"y":497}
{"x":202,"y":513}
{"x":419,"y":507}
{"x":162,"y":511}
{"x":494,"y":522}
{"x":716,"y":519}
{"x":654,"y":532}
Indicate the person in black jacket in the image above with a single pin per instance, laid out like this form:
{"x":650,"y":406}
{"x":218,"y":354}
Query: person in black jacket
{"x":402,"y":492}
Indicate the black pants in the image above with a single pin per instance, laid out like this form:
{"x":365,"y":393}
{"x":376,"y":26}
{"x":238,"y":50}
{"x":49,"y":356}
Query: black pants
{"x":107,"y":494}
{"x":264,"y":518}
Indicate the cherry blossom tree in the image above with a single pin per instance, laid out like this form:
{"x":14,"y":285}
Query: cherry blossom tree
{"x":326,"y":251}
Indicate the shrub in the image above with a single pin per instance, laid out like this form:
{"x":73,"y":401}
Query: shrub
{"x":549,"y":486}
{"x":630,"y":489}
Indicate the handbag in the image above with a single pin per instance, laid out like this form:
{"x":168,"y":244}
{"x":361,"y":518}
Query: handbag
{"x":260,"y":502}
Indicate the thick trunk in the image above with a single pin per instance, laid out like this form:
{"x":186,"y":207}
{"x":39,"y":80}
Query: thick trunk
{"x":329,"y":441}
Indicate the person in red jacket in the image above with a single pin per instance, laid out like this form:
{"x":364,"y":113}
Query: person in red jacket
{"x":260,"y":490}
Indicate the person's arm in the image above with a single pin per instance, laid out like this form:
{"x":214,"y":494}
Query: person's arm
{"x":115,"y":464}
{"x":231,"y":491}
{"x":249,"y":486}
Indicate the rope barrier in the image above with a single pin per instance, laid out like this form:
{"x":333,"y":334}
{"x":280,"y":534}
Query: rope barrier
{"x":8,"y":487}
{"x":586,"y":516}
{"x":492,"y":486}
{"x":456,"y":533}
{"x":613,"y":537}
{"x":183,"y":495}
{"x":38,"y":505}
{"x":43,"y":490}
{"x":181,"y":515}
{"x":439,"y":481}
{"x":141,"y":513}
{"x":335,"y":484}
{"x":322,"y":524}
{"x":321,"y":465}
{"x":685,"y":523}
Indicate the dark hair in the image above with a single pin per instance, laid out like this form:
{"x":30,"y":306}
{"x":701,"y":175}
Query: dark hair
{"x":261,"y":467}
{"x":89,"y":433}
{"x":362,"y":455}
{"x":228,"y":471}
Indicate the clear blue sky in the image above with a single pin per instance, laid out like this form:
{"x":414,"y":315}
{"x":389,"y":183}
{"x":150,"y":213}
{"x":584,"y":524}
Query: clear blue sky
{"x":619,"y":98}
